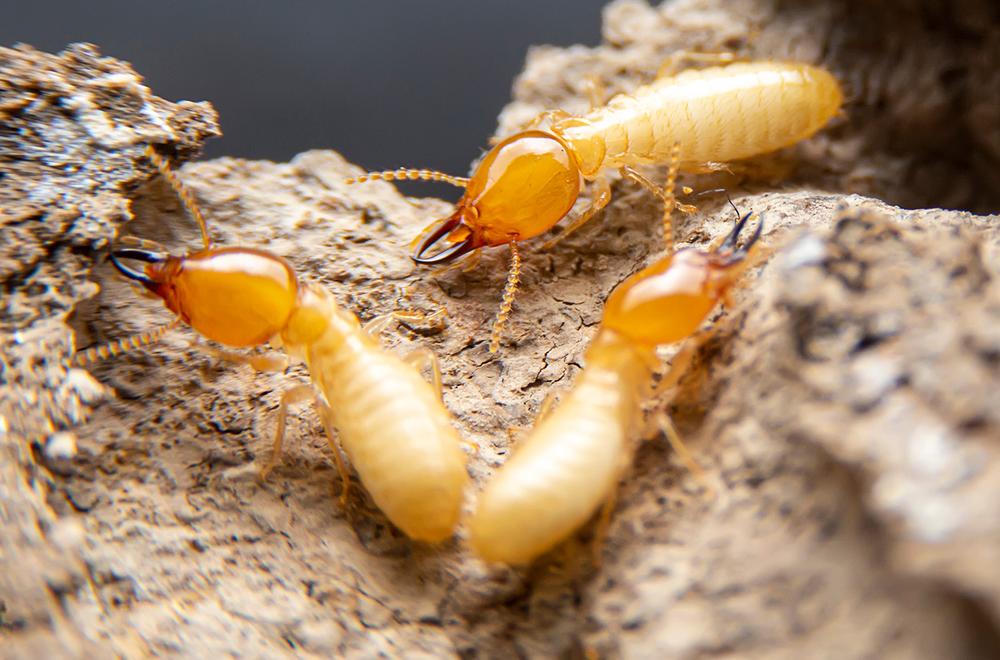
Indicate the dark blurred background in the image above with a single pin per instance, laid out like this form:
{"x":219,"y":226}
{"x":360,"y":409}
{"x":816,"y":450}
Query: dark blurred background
{"x":387,"y":84}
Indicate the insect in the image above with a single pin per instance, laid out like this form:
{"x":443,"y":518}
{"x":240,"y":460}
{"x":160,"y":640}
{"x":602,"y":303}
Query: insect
{"x":389,"y":420}
{"x":570,"y":463}
{"x":692,"y":121}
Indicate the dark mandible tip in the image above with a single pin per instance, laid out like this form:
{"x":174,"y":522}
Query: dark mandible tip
{"x":731,"y":240}
{"x":139,"y":254}
{"x":757,"y":234}
{"x":448,"y":254}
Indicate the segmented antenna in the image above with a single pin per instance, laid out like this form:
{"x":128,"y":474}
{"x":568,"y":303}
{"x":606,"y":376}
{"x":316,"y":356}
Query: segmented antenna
{"x":187,"y":199}
{"x":671,"y":201}
{"x":119,"y":346}
{"x":404,"y":174}
{"x":735,"y":210}
{"x":513,"y":278}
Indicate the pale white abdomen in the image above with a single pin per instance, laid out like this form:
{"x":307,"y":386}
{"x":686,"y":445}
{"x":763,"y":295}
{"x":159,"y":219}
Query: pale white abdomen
{"x":560,"y":474}
{"x":397,"y":434}
{"x":715,"y":114}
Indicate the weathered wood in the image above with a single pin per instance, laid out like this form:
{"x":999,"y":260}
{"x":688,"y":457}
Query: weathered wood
{"x":846,"y":406}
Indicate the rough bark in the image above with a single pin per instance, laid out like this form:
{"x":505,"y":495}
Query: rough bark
{"x":72,"y":130}
{"x":845,"y":407}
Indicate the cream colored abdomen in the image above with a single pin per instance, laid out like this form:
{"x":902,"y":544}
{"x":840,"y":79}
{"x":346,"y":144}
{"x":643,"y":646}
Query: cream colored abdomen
{"x":715,"y":114}
{"x":558,"y":476}
{"x":398,"y":435}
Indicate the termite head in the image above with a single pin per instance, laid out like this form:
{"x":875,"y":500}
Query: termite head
{"x":235,"y":296}
{"x":667,"y":301}
{"x":521,"y":188}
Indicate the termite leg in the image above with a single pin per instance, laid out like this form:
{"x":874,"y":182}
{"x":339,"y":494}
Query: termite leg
{"x":667,"y":426}
{"x":268,"y":362}
{"x":602,"y":195}
{"x":681,"y":59}
{"x":380,"y":323}
{"x":271,"y":362}
{"x":666,"y":194}
{"x":682,"y":360}
{"x":377,"y":325}
{"x":424,"y":357}
{"x":296,"y":394}
{"x":509,"y":291}
{"x":434,"y":319}
{"x":326,"y":416}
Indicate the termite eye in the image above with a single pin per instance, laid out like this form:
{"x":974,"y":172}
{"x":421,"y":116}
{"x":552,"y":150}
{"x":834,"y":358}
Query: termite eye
{"x":523,"y":186}
{"x":235,"y":296}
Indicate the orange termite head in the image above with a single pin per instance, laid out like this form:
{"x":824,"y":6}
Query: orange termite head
{"x":521,"y":188}
{"x":235,"y":296}
{"x":667,"y":301}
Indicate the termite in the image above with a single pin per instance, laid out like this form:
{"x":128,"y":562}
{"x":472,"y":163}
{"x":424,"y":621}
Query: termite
{"x":571,"y":462}
{"x":692,"y":121}
{"x":388,"y":419}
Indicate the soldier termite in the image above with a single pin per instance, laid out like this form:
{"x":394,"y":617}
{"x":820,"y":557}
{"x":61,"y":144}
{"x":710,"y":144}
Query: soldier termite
{"x":389,"y":420}
{"x":691,"y":121}
{"x":570,"y":463}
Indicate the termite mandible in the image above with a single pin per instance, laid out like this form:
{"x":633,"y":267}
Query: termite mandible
{"x":390,"y":421}
{"x":691,"y":121}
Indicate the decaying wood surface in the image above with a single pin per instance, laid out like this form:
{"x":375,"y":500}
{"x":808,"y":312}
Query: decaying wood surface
{"x":846,"y":407}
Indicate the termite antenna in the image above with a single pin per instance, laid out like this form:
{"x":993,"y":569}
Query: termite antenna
{"x":509,"y":291}
{"x":407,"y":174}
{"x":715,"y":191}
{"x":182,"y":191}
{"x":735,"y":210}
{"x":119,"y":346}
{"x":710,"y":191}
{"x":729,"y":199}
